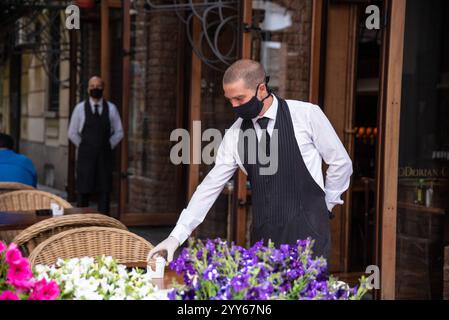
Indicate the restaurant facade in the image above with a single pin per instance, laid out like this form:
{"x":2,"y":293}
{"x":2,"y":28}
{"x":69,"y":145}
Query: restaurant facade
{"x":379,"y":70}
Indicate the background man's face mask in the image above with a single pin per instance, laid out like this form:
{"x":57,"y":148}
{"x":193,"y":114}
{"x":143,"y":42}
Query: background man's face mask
{"x":96,"y":93}
{"x":252,"y":108}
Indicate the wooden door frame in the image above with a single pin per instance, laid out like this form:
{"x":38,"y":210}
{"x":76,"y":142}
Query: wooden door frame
{"x":105,"y":56}
{"x":194,"y":115}
{"x":317,"y":46}
{"x":239,"y":217}
{"x":389,"y":124}
{"x":126,"y":60}
{"x":333,"y":83}
{"x":388,"y":146}
{"x":73,"y":73}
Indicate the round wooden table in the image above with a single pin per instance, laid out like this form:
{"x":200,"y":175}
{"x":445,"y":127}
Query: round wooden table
{"x":19,"y":220}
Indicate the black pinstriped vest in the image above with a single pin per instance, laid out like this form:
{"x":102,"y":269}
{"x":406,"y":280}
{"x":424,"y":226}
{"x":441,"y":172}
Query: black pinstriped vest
{"x":288,"y":205}
{"x":95,"y":160}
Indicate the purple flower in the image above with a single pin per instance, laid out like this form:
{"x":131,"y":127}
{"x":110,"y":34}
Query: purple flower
{"x":277,"y":256}
{"x":258,"y":293}
{"x":210,"y":273}
{"x":293,"y":274}
{"x":303,"y":243}
{"x":172,"y":294}
{"x":199,"y":254}
{"x":240,"y":282}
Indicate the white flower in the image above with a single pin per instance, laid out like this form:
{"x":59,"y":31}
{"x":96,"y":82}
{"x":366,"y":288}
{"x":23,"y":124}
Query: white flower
{"x":68,"y":287}
{"x":88,"y":295}
{"x":101,"y":278}
{"x":108,"y":261}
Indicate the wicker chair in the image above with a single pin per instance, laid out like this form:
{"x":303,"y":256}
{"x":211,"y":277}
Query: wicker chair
{"x":32,"y":236}
{"x":30,"y":200}
{"x":128,"y":248}
{"x":26,"y":200}
{"x":13,"y":186}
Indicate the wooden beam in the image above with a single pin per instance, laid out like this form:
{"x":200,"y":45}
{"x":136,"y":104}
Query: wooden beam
{"x":72,"y":102}
{"x":105,"y":48}
{"x":194,"y":115}
{"x":126,"y":38}
{"x":240,"y":196}
{"x":315,"y":51}
{"x":195,"y":109}
{"x":388,"y":148}
{"x":180,"y":112}
{"x":339,"y":93}
{"x":117,"y":4}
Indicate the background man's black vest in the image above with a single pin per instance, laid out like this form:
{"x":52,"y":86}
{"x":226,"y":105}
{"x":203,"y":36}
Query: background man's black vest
{"x":288,"y":205}
{"x":95,"y":160}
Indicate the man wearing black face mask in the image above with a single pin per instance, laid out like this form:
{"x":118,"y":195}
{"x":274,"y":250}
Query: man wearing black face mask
{"x":291,"y":203}
{"x":96,"y":129}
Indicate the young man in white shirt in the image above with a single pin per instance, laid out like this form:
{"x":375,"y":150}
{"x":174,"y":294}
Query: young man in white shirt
{"x":291,"y":202}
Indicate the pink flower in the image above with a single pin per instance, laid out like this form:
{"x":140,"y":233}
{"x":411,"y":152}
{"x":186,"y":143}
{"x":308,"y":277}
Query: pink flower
{"x":13,"y":255}
{"x":8,"y":295}
{"x":43,"y":290}
{"x":2,"y":247}
{"x":20,"y":274}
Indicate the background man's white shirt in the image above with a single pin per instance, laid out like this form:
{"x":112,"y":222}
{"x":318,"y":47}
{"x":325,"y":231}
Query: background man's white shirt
{"x":317,"y":141}
{"x":78,"y":119}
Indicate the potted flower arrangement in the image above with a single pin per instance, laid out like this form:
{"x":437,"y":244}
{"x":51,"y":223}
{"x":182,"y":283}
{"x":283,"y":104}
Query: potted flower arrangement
{"x":100,"y":278}
{"x":16,"y":278}
{"x":214,"y":270}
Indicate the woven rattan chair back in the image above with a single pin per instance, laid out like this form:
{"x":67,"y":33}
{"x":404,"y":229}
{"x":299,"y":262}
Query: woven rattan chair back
{"x":32,"y":236}
{"x":126,"y":247}
{"x":25,"y":200}
{"x":13,"y":186}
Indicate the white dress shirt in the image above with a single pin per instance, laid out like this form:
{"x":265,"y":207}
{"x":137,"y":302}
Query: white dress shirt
{"x":317,"y":141}
{"x":78,"y":119}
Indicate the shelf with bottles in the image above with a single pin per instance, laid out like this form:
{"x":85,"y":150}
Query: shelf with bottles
{"x":424,"y":193}
{"x":364,"y":157}
{"x":366,"y":135}
{"x":420,"y":208}
{"x":421,"y":194}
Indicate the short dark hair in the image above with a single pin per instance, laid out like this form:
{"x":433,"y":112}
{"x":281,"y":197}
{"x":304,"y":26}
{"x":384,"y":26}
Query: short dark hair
{"x":6,"y":141}
{"x":250,"y":71}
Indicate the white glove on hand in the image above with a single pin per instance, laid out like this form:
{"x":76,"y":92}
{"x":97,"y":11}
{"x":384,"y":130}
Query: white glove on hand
{"x":169,"y":245}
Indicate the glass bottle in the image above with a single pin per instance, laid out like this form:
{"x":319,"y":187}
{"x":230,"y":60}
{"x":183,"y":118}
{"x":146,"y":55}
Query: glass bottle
{"x":420,"y":192}
{"x":429,"y":196}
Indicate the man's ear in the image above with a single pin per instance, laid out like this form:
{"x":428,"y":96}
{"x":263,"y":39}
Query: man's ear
{"x":263,"y":90}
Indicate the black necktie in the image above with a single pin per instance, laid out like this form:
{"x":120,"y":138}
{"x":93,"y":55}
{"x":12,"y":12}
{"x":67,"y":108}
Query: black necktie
{"x":265,"y":139}
{"x":97,"y":110}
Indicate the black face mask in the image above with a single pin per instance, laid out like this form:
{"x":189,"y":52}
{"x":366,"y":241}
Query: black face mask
{"x":96,"y":93}
{"x":252,"y":108}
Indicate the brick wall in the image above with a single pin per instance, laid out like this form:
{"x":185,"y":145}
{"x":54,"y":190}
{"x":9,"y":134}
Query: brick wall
{"x":153,"y":186}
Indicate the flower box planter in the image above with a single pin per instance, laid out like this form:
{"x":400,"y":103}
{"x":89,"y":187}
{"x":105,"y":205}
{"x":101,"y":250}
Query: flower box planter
{"x":214,"y":270}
